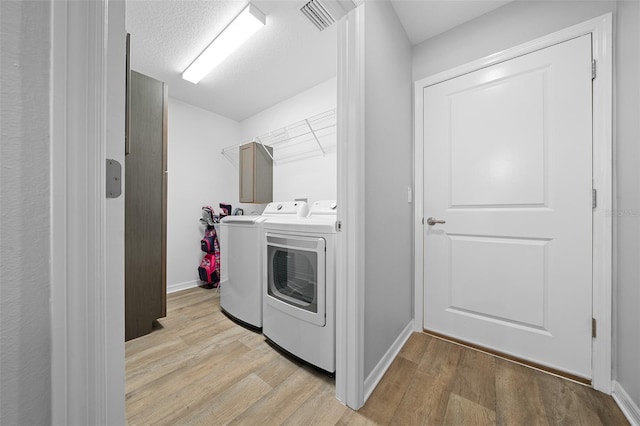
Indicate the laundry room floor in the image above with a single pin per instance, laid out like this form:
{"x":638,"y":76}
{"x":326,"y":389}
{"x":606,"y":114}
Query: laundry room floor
{"x":199,"y":367}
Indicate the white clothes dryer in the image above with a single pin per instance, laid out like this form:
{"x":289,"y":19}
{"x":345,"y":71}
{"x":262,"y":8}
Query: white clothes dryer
{"x":299,"y":285}
{"x":241,"y":246}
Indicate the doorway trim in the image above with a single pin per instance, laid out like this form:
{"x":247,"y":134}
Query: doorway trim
{"x":350,"y":238}
{"x":601,"y":29}
{"x":87,"y":233}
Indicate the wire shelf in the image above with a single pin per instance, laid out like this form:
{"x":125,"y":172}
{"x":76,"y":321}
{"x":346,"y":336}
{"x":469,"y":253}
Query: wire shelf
{"x":306,"y":138}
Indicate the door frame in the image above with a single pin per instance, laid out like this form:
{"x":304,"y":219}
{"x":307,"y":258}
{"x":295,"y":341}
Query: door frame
{"x":87,"y":229}
{"x":350,"y":270}
{"x":601,"y":29}
{"x":87,"y":308}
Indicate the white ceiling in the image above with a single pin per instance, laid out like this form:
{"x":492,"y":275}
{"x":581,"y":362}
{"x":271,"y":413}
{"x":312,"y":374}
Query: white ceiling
{"x":423,"y":19}
{"x":281,"y":60}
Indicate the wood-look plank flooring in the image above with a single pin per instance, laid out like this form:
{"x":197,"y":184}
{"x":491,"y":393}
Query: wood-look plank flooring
{"x":199,"y":367}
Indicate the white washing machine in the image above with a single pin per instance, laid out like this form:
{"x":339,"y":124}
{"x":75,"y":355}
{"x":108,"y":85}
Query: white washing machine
{"x":300,"y":284}
{"x":241,"y":244}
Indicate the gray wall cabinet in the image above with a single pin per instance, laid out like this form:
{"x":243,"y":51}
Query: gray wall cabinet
{"x":256,"y":174}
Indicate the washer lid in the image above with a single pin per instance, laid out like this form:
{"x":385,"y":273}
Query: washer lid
{"x":241,"y":219}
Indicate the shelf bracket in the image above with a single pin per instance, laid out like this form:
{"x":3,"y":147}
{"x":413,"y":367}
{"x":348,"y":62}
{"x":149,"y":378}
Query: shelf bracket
{"x":314,"y":136}
{"x":224,"y":152}
{"x":265,"y":149}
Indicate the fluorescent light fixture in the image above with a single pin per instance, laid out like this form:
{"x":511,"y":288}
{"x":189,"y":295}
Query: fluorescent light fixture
{"x":237,"y":32}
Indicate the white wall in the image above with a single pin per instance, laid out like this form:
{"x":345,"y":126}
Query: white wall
{"x":388,"y":304}
{"x":522,"y":21}
{"x":508,"y":26}
{"x":25,"y":343}
{"x":313,"y":177}
{"x":198,"y":175}
{"x":627,"y":213}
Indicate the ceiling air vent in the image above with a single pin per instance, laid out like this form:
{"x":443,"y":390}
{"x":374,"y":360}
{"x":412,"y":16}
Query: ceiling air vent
{"x":323,"y":13}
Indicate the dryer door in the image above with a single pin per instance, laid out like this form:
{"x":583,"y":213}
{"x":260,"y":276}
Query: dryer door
{"x":296,"y":281}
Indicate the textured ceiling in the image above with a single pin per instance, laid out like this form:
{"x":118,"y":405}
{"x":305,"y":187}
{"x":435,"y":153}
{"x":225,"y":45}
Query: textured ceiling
{"x":281,"y":60}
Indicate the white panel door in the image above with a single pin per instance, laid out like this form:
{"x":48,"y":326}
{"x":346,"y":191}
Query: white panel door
{"x":508,"y":167}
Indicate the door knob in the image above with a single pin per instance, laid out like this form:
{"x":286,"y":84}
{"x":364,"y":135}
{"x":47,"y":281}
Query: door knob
{"x":433,"y":221}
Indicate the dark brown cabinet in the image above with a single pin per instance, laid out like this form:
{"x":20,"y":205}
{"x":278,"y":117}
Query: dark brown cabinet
{"x":145,"y":205}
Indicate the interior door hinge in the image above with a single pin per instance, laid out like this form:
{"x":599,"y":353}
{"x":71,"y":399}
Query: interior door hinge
{"x":338,"y":226}
{"x":593,"y":327}
{"x":593,"y":69}
{"x":423,"y":220}
{"x":594,"y":198}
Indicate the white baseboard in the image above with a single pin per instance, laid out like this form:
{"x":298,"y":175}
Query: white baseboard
{"x":172,"y":288}
{"x":627,"y":405}
{"x":374,"y":378}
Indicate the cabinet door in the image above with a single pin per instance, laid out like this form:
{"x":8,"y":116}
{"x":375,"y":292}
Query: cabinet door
{"x":247,"y":169}
{"x":256,"y":173}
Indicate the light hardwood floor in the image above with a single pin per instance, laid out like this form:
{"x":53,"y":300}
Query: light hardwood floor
{"x":199,"y":367}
